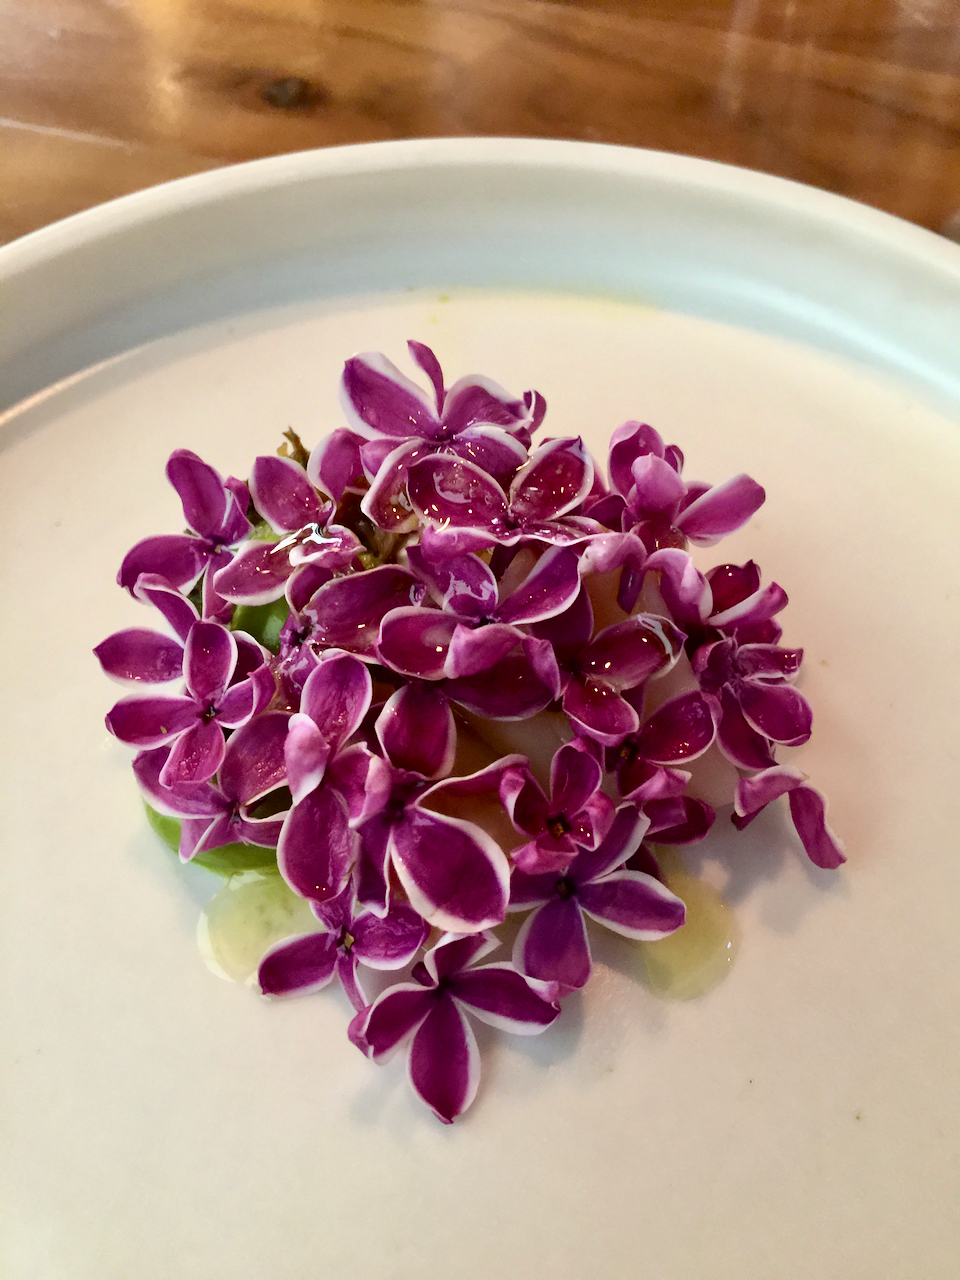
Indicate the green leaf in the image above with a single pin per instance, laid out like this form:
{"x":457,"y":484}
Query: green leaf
{"x":262,"y":621}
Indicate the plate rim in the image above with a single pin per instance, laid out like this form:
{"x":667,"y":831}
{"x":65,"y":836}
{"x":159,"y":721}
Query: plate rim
{"x":155,"y":202}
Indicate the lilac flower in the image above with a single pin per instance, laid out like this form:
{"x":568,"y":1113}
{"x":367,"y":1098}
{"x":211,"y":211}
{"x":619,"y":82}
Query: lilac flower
{"x":758,"y":705}
{"x":215,"y":511}
{"x":430,"y":1015}
{"x":218,"y":813}
{"x":576,"y":813}
{"x":476,"y":629}
{"x":309,"y":961}
{"x":552,"y":944}
{"x":472,"y":510}
{"x":193,"y":725}
{"x":284,"y":496}
{"x":455,"y":875}
{"x":139,"y":655}
{"x":661,"y":508}
{"x":327,"y":776}
{"x":597,"y":671}
{"x":474,"y":419}
{"x":728,"y":600}
{"x":807,"y":808}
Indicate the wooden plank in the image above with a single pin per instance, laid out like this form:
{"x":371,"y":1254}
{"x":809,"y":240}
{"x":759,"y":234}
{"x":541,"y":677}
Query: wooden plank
{"x":99,"y":97}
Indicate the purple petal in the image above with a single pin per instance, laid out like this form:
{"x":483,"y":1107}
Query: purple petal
{"x":445,"y":1061}
{"x":656,"y":487}
{"x":475,"y":649}
{"x":347,"y":612}
{"x":600,"y":711}
{"x":808,"y":810}
{"x":430,"y":365}
{"x":623,"y":839}
{"x":337,"y":696}
{"x":317,"y":849}
{"x":680,"y":729}
{"x":571,"y":630}
{"x":474,"y":399}
{"x":574,"y":777}
{"x":733,"y":583}
{"x":634,"y":904}
{"x":500,"y":996}
{"x":203,"y":494}
{"x":298,"y":965}
{"x":678,"y":821}
{"x":306,"y":753}
{"x":191,"y":801}
{"x":552,"y":945}
{"x":455,"y":952}
{"x":737,"y":740}
{"x":631,"y":441}
{"x":175,"y":557}
{"x":417,"y":731}
{"x":334,"y":465}
{"x":257,"y":574}
{"x":768,"y":662}
{"x":243,"y":700}
{"x":447,"y":490}
{"x":176,"y":608}
{"x":490,"y":448}
{"x":629,"y":652}
{"x":390,"y":942}
{"x":524,"y":800}
{"x":138,"y":654}
{"x":463,"y":584}
{"x":378,"y":399}
{"x":386,"y":502}
{"x":210,"y":656}
{"x":283,"y":494}
{"x":372,"y":865}
{"x":196,"y":755}
{"x":516,"y":688}
{"x":253,"y":764}
{"x":685,"y":590}
{"x":555,"y":479}
{"x":454,"y":874}
{"x":721,"y":510}
{"x":391,"y":1019}
{"x":350,"y":772}
{"x":151,"y":722}
{"x":550,"y":587}
{"x":778,"y":712}
{"x":414,"y":641}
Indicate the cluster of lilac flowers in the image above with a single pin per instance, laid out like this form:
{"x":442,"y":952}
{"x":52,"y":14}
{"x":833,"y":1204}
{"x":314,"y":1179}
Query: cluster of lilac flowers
{"x":355,"y":634}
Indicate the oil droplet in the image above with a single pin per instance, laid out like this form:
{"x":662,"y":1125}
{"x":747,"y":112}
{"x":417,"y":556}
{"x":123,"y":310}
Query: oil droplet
{"x":698,"y":956}
{"x":248,"y":915}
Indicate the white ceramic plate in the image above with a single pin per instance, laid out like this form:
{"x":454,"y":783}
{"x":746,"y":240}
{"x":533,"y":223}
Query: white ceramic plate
{"x":800,"y":1120}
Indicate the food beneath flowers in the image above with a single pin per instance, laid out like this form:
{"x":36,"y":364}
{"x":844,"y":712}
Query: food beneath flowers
{"x":433,"y":686}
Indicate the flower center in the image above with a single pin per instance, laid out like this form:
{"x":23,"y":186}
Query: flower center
{"x":558,"y":826}
{"x":565,"y":888}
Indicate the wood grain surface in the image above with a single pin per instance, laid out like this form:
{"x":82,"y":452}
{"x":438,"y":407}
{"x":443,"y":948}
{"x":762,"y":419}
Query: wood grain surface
{"x":101,"y":97}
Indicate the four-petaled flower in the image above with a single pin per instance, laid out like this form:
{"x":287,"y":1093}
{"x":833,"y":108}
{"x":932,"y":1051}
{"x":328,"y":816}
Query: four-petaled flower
{"x":193,"y":725}
{"x":430,"y":1015}
{"x":309,"y":961}
{"x":552,"y":944}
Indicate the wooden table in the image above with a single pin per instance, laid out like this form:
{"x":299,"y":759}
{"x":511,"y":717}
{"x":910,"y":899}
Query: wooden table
{"x":101,"y":97}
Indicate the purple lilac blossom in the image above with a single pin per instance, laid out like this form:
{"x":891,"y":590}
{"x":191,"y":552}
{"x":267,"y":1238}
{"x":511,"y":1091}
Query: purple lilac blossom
{"x":430,"y":1015}
{"x":552,"y":944}
{"x":309,"y":961}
